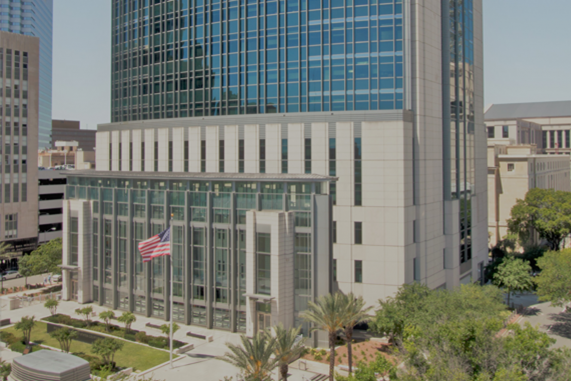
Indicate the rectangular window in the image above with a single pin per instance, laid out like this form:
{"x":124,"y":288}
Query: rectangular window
{"x":505,"y":132}
{"x":110,"y":156}
{"x":567,"y":140}
{"x":11,"y":226}
{"x":358,"y":271}
{"x":241,"y":156}
{"x":333,"y":169}
{"x":560,"y":139}
{"x":545,"y":145}
{"x":74,"y":243}
{"x":263,"y":250}
{"x":491,"y":132}
{"x":186,"y":156}
{"x":284,"y":155}
{"x":156,"y":156}
{"x":416,"y":269}
{"x":262,"y":155}
{"x":203,"y":156}
{"x":335,"y":270}
{"x":511,"y":167}
{"x":334,"y":232}
{"x":307,"y":155}
{"x":131,"y":157}
{"x":170,"y":156}
{"x":358,"y":173}
{"x":358,"y":233}
{"x":221,"y":156}
{"x":552,"y":139}
{"x":143,"y":156}
{"x":120,"y":156}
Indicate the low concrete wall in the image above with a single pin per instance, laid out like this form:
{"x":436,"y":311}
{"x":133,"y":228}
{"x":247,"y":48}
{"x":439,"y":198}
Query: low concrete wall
{"x":184,"y":349}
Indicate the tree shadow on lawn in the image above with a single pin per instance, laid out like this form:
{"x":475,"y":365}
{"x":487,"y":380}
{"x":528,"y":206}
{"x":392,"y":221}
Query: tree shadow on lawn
{"x":562,"y":324}
{"x":531,"y":311}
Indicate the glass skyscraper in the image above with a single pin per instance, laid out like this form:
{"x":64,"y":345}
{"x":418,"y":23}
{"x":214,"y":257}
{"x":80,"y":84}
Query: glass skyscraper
{"x":384,"y":95}
{"x":188,"y":58}
{"x":35,"y":18}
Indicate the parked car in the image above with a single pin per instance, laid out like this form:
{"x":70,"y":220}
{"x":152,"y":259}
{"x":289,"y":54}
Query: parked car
{"x":11,"y":274}
{"x":56,"y":278}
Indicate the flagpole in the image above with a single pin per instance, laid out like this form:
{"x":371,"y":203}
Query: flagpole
{"x":171,"y":284}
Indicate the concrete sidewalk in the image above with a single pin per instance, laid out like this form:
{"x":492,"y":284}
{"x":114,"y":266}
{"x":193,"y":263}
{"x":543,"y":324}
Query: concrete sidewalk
{"x":199,"y":364}
{"x":551,"y":320}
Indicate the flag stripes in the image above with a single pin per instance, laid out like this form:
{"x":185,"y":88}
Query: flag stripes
{"x":156,"y":246}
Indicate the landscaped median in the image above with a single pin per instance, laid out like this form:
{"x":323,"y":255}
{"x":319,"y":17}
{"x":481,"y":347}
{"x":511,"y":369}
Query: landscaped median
{"x":133,"y":355}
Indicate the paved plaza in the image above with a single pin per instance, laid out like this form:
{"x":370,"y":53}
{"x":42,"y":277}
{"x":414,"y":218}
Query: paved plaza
{"x":551,"y":320}
{"x":198,"y":364}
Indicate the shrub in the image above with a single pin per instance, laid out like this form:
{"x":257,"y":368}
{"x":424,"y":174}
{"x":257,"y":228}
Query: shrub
{"x":141,"y":337}
{"x":8,"y":337}
{"x":318,"y":357}
{"x":327,"y":358}
{"x":18,"y":346}
{"x":158,"y":342}
{"x":323,"y":352}
{"x":64,"y":319}
{"x":130,"y":336}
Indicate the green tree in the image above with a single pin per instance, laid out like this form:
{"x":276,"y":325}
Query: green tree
{"x":554,"y":281}
{"x":165,"y":329}
{"x":64,"y":336}
{"x":85,"y":312}
{"x":47,"y":257}
{"x":288,"y":347}
{"x":354,"y":313}
{"x":5,"y":370}
{"x":127,"y":318}
{"x":327,"y":314}
{"x":514,"y":275}
{"x":106,"y":348}
{"x":26,"y":324}
{"x":25,"y":266}
{"x":546,"y":211}
{"x":254,"y":357}
{"x":106,"y":316}
{"x":371,"y":371}
{"x":52,"y":304}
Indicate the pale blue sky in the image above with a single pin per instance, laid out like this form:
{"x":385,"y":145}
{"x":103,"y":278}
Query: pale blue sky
{"x":527,"y":53}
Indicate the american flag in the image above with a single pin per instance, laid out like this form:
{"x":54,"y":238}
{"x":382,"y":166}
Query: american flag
{"x":156,"y":246}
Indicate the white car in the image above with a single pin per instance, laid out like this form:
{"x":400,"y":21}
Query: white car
{"x":11,"y":274}
{"x":56,"y":278}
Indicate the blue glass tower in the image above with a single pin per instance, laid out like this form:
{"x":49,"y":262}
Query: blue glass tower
{"x":35,"y":18}
{"x":198,"y":57}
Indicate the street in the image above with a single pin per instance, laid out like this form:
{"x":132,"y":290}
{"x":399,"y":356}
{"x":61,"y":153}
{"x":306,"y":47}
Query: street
{"x":22,"y":281}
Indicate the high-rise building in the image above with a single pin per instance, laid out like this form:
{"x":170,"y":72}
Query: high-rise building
{"x":384,"y":95}
{"x":35,"y":18}
{"x":19,"y":71}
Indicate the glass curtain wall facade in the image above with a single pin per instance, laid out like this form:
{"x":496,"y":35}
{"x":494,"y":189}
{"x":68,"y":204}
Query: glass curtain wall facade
{"x":459,"y":114}
{"x":208,"y":244}
{"x":35,"y":18}
{"x":184,"y":58}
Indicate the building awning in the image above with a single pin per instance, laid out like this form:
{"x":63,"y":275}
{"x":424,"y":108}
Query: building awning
{"x":263,"y":297}
{"x":69,"y":267}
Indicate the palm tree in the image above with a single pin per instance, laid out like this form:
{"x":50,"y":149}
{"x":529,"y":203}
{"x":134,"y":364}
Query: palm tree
{"x":288,"y":347}
{"x":327,"y":315}
{"x":5,"y":370}
{"x":355,"y":313}
{"x":254,"y":357}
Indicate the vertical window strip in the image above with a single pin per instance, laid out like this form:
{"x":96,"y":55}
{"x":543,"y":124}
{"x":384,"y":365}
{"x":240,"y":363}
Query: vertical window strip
{"x":358,"y":173}
{"x":170,"y":156}
{"x":203,"y":156}
{"x":333,"y":169}
{"x":307,"y":155}
{"x":142,"y":156}
{"x":358,"y":271}
{"x":130,"y":156}
{"x":241,"y":155}
{"x":110,"y":156}
{"x":186,"y":156}
{"x":120,"y":156}
{"x":221,"y":156}
{"x":156,"y":156}
{"x":358,"y":233}
{"x":262,"y":155}
{"x":284,"y":156}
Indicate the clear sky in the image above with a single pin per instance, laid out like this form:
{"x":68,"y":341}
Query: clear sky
{"x":527,"y":53}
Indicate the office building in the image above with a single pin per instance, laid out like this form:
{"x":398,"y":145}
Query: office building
{"x":249,"y":250}
{"x":512,"y":171}
{"x":554,"y":119}
{"x":19,"y":66}
{"x":52,"y":191}
{"x":69,"y":130}
{"x":386,"y":97}
{"x":35,"y":18}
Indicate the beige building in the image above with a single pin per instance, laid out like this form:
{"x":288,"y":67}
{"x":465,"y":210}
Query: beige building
{"x":513,"y":120}
{"x":512,"y":171}
{"x":67,"y":155}
{"x":19,"y":63}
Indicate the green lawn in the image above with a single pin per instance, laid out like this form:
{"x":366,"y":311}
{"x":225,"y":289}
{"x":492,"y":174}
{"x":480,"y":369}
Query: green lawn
{"x":132,"y":355}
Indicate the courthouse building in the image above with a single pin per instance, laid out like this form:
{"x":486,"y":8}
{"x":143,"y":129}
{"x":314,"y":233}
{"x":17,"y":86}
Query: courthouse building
{"x":384,"y":96}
